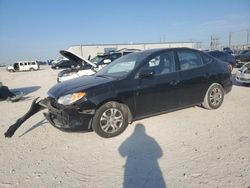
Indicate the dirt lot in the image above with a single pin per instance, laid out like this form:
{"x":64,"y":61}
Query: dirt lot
{"x":193,"y":147}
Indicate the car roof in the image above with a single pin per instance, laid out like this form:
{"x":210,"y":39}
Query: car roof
{"x":25,"y":61}
{"x":150,"y":51}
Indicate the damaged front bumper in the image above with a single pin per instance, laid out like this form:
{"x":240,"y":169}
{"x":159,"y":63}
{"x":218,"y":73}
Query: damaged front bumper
{"x":67,"y":117}
{"x":63,"y":117}
{"x":243,"y":76}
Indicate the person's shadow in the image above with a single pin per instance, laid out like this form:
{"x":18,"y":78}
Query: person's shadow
{"x":141,"y":168}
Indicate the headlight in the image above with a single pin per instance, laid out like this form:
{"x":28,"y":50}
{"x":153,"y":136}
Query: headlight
{"x":71,"y":98}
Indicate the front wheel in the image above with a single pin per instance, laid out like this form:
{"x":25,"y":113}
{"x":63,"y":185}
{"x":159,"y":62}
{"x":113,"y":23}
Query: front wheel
{"x":214,"y":97}
{"x":110,"y":120}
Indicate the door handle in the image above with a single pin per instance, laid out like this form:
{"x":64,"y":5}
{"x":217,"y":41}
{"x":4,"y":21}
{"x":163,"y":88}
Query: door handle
{"x":174,"y":82}
{"x":207,"y":75}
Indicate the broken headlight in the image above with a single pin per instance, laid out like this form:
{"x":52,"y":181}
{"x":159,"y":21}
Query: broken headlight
{"x":71,"y":98}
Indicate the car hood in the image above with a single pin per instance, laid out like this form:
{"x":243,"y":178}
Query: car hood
{"x":75,"y":85}
{"x":75,"y":57}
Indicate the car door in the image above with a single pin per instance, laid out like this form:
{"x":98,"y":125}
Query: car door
{"x":21,"y":67}
{"x":26,"y":66}
{"x":193,"y":77}
{"x":158,"y":92}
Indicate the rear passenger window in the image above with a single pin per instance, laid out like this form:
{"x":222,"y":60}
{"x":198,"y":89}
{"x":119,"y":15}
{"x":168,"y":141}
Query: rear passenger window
{"x":25,"y":63}
{"x":189,"y":59}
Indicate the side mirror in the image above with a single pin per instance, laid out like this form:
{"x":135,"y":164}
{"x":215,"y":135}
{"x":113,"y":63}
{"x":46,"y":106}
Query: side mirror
{"x":107,"y":61}
{"x":147,"y":74}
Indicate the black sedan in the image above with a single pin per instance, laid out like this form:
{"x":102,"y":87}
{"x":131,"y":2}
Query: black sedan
{"x":63,"y":64}
{"x":133,"y":87}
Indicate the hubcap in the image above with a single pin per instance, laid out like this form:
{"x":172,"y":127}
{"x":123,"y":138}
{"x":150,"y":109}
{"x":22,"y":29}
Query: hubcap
{"x":215,"y":96}
{"x":111,"y":120}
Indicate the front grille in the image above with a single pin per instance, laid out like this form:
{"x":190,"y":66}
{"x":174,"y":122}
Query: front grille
{"x":244,"y":79}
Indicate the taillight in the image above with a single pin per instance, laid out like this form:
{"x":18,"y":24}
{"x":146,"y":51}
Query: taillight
{"x":230,"y":67}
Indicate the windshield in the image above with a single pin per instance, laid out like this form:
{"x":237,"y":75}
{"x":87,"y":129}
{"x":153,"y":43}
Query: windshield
{"x":97,"y":59}
{"x":122,"y":66}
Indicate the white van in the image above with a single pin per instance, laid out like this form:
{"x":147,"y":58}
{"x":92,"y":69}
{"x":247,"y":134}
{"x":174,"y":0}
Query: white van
{"x":23,"y":66}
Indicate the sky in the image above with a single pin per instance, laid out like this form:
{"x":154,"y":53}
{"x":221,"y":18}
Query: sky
{"x":38,"y":29}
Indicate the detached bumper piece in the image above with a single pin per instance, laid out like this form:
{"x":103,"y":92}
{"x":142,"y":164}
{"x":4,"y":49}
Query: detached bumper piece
{"x":67,"y":118}
{"x":34,"y":108}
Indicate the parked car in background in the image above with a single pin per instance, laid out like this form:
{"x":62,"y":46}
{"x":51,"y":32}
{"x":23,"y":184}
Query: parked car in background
{"x":63,"y":64}
{"x":89,"y":67}
{"x":42,"y":62}
{"x":243,"y":74}
{"x":223,"y":56}
{"x":23,"y":66}
{"x":243,"y":58}
{"x":133,"y":87}
{"x":228,"y":50}
{"x":85,"y":67}
{"x":49,"y":62}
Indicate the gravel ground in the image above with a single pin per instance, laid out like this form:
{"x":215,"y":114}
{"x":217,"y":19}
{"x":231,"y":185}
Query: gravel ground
{"x":192,"y":147}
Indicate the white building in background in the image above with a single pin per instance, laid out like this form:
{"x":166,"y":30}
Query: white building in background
{"x":92,"y":50}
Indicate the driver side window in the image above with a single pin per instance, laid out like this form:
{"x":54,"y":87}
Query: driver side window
{"x":161,"y":64}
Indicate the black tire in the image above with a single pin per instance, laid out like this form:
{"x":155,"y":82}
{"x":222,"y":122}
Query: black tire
{"x":31,"y":69}
{"x":214,"y":97}
{"x":110,"y":120}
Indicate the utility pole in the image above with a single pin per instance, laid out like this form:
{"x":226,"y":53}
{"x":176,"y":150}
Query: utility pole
{"x":217,"y":43}
{"x":230,"y":38}
{"x":247,"y":37}
{"x":81,"y":50}
{"x":211,"y":43}
{"x":214,"y":44}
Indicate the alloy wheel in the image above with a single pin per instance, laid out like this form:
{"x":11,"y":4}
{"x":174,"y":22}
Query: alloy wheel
{"x":111,"y":120}
{"x":216,"y":96}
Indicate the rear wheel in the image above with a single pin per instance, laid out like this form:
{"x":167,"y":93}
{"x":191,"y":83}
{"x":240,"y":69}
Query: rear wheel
{"x":31,"y":69}
{"x":214,"y":97}
{"x":110,"y":120}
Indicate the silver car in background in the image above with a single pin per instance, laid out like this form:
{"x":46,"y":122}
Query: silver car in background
{"x":243,"y":74}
